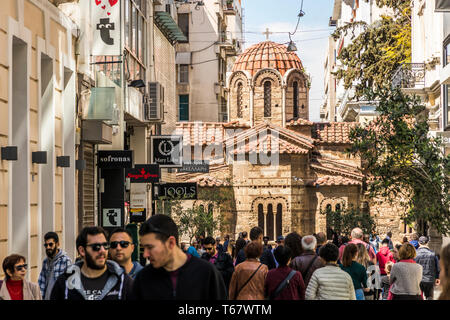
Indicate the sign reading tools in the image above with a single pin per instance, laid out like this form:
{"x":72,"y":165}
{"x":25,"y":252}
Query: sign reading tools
{"x":175,"y":191}
{"x":106,"y":25}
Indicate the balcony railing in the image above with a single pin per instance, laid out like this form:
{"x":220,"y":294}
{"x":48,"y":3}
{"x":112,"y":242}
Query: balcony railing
{"x":409,"y":76}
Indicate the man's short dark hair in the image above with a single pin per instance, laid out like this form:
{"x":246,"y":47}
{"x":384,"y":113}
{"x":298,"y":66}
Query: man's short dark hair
{"x":209,"y":240}
{"x":121,"y":230}
{"x":255,"y":232}
{"x":329,"y":252}
{"x":385,"y":241}
{"x":282,"y":255}
{"x":244,"y":234}
{"x":92,"y":231}
{"x":51,"y":235}
{"x":162,"y":226}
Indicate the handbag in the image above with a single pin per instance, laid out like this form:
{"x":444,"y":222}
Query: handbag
{"x":282,"y":285}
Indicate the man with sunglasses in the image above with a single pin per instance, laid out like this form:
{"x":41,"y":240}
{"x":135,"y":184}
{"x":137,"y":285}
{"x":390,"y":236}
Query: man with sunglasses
{"x":121,"y":248}
{"x":173,"y":274}
{"x":53,"y":266}
{"x":222,"y":260}
{"x":94,"y":277}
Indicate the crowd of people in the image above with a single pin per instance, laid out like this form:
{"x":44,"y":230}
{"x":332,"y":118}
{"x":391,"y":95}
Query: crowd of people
{"x":295,"y":267}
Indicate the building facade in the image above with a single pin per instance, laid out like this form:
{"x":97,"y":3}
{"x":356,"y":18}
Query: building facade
{"x":38,"y":129}
{"x":284,"y":171}
{"x":214,"y":38}
{"x":428,"y":75}
{"x":339,"y":103}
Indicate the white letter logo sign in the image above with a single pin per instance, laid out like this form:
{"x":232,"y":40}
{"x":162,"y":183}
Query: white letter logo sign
{"x":105,"y":21}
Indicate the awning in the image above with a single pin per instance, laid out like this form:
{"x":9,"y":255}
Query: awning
{"x":169,"y":27}
{"x":442,"y":6}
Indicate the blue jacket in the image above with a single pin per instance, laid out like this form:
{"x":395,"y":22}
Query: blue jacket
{"x":430,"y":263}
{"x":415,"y":243}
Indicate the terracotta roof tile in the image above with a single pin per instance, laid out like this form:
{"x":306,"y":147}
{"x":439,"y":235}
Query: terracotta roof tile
{"x":208,"y":181}
{"x":334,"y":181}
{"x":267,"y":54}
{"x":299,"y":122}
{"x":200,"y":133}
{"x":333,"y":132}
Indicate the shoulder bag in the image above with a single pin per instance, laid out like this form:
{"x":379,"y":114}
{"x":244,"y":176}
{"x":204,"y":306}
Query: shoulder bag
{"x":248,"y":280}
{"x":282,"y":285}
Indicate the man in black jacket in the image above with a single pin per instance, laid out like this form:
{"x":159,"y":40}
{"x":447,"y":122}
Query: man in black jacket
{"x":95,"y":277}
{"x":222,"y":260}
{"x":172,"y":274}
{"x":256,"y":235}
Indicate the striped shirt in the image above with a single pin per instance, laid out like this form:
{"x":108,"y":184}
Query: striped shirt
{"x":330,"y":283}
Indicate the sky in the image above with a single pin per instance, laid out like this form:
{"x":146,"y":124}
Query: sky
{"x":311,"y":37}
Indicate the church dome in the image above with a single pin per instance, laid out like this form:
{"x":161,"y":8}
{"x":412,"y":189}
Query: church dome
{"x":267,"y":54}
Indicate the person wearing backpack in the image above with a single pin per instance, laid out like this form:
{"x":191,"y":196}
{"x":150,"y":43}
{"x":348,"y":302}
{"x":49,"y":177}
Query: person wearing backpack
{"x":284,"y":283}
{"x":308,"y":261}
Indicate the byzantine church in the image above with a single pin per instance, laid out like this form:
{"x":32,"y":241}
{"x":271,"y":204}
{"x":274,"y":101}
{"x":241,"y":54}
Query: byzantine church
{"x":268,"y":109}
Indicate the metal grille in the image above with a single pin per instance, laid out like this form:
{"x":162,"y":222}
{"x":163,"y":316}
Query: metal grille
{"x":267,"y":98}
{"x":239,"y":100}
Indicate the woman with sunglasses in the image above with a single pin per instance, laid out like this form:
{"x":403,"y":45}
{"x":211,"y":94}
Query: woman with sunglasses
{"x":14,"y":286}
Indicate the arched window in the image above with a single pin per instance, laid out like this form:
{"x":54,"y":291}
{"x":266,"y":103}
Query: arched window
{"x":338,"y":207}
{"x":328,"y":208}
{"x":295,"y":98}
{"x":202,"y":208}
{"x":267,"y":98}
{"x":239,"y":99}
{"x":270,"y":222}
{"x":279,"y":219}
{"x":261,"y":216}
{"x":210,"y":209}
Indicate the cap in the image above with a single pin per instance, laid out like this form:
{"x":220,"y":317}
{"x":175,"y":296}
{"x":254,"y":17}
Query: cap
{"x":423,"y":240}
{"x":280,"y":238}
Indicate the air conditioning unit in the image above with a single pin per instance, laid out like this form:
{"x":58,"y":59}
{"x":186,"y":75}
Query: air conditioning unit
{"x":154,"y":106}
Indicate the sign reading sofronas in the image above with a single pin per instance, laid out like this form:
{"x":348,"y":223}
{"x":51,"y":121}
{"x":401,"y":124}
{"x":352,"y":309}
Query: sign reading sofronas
{"x":115,"y":159}
{"x":106,"y":25}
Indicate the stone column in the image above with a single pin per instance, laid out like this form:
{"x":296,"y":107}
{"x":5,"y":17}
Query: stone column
{"x":283,"y":105}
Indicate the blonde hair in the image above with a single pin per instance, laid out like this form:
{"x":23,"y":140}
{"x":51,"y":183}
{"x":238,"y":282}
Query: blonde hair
{"x":362,"y":257}
{"x":388,"y":267}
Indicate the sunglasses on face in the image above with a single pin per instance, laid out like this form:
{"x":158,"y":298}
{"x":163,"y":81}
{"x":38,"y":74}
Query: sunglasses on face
{"x":123,"y":244}
{"x":209,"y":249}
{"x":21,"y":267}
{"x":50,"y":245}
{"x":97,"y":246}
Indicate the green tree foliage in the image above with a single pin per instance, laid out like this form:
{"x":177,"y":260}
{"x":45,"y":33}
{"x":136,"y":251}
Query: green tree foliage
{"x":199,"y":219}
{"x":376,"y":50}
{"x":343,"y":222}
{"x":404,"y":164}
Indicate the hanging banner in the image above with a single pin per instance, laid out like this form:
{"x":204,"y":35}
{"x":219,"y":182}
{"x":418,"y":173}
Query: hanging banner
{"x":105,"y":22}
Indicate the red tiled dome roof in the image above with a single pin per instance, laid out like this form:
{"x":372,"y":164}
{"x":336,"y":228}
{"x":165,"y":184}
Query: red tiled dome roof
{"x":267,"y":54}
